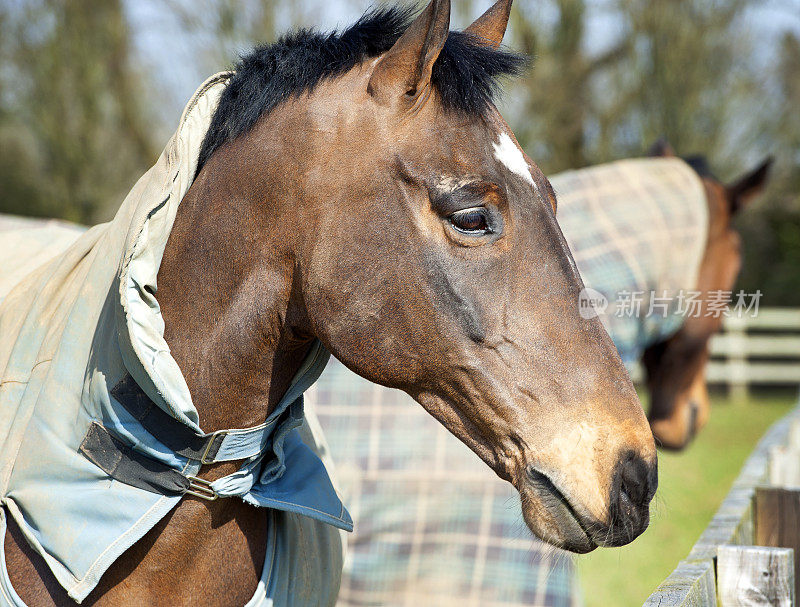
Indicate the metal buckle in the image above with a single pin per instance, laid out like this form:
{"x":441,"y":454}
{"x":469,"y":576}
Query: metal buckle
{"x":201,"y":488}
{"x":210,"y":444}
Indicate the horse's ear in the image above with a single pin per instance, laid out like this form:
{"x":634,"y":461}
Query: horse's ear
{"x":746,"y":188}
{"x":404,"y":72}
{"x":661,"y":149}
{"x":491,"y":26}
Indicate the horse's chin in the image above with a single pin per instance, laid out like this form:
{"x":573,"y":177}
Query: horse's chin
{"x":550,"y":516}
{"x":560,"y":528}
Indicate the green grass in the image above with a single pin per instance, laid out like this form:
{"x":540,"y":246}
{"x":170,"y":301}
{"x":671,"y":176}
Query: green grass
{"x":691,"y":486}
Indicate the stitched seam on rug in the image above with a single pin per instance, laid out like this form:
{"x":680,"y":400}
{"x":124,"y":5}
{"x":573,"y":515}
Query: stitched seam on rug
{"x":308,"y":508}
{"x":13,"y":509}
{"x":90,"y":571}
{"x":272,"y":556}
{"x":25,"y":381}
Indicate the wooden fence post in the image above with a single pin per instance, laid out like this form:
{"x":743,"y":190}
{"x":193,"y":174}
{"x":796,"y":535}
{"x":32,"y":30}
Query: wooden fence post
{"x":784,"y":460}
{"x":750,"y":576}
{"x":777,"y":520}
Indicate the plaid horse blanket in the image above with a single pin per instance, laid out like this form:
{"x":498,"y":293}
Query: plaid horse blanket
{"x":80,"y":331}
{"x":637,"y":229}
{"x":435,"y":526}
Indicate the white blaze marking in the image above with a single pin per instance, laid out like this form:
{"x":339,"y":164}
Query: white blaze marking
{"x":507,"y":152}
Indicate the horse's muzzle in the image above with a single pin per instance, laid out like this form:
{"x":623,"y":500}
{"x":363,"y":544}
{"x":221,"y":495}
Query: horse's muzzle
{"x":633,"y":486}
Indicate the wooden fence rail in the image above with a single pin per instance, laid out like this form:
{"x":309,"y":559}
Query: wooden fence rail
{"x":742,"y":558}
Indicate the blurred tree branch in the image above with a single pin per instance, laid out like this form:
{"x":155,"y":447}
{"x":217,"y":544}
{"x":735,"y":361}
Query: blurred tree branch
{"x":75,"y":132}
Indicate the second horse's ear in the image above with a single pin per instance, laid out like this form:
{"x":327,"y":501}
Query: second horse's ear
{"x":747,"y":187}
{"x":491,"y":26}
{"x":404,"y":72}
{"x":661,"y":149}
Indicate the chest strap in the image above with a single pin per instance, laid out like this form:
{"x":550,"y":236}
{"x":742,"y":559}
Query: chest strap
{"x":127,"y":465}
{"x":220,"y":446}
{"x":132,"y":467}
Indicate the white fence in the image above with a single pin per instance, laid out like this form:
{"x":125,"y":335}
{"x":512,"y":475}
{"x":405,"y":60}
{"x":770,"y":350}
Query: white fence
{"x":763,"y":350}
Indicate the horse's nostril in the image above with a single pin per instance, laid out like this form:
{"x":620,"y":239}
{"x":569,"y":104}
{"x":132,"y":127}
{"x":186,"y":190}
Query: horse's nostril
{"x":637,"y":480}
{"x":633,"y":487}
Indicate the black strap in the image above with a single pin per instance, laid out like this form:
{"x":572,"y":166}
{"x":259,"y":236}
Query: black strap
{"x":128,"y":466}
{"x":172,"y":433}
{"x":131,"y":467}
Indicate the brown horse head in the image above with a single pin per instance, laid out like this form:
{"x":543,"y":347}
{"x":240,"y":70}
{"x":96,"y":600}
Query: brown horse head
{"x":378,"y":183}
{"x":676,"y":367}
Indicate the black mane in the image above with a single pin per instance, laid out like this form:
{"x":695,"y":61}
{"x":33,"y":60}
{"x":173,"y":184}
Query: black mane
{"x":466,"y":74}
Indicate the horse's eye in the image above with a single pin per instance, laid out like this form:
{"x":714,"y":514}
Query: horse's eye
{"x":471,"y":221}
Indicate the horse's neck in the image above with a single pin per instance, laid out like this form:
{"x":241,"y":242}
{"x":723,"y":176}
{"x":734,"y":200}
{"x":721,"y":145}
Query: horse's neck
{"x":226,"y":291}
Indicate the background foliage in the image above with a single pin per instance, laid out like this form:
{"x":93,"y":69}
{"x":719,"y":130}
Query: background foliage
{"x":90,"y":89}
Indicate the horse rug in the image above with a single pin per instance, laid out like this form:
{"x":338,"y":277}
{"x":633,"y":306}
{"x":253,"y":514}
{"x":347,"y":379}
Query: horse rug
{"x":27,"y":243}
{"x":98,"y":433}
{"x":637,"y":229}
